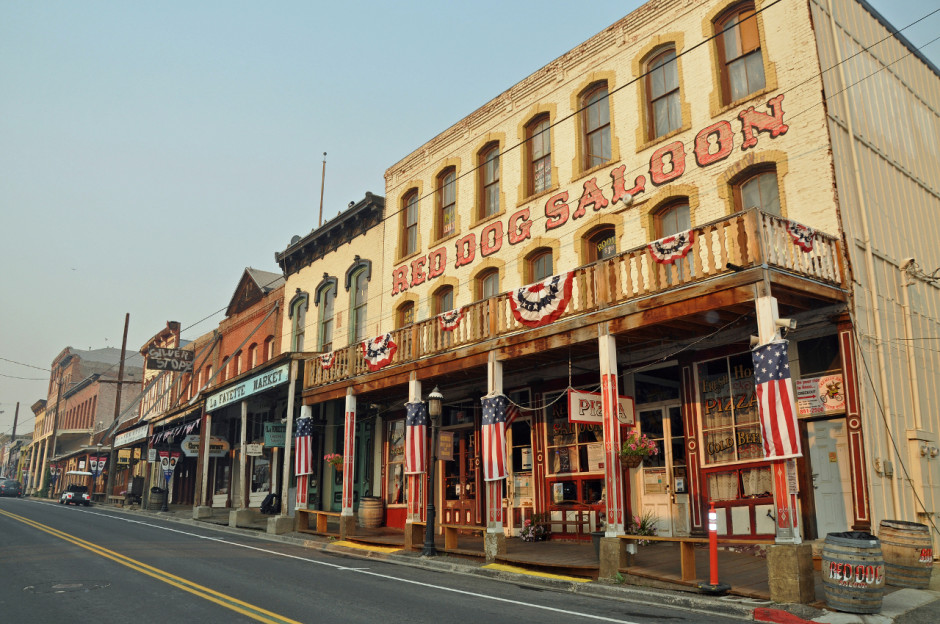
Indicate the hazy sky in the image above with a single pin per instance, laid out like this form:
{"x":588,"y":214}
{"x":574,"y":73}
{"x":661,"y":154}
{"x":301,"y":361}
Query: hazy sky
{"x":149,"y":152}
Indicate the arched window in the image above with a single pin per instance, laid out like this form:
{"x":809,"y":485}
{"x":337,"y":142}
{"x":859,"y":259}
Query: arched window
{"x":601,"y":243}
{"x":758,"y":190}
{"x":358,"y":305}
{"x":443,"y":299}
{"x":488,"y":162}
{"x":539,"y":151}
{"x":253,"y":355}
{"x":405,"y":315}
{"x":741,"y":64}
{"x":409,"y":242}
{"x":664,"y":109}
{"x":595,"y":121}
{"x":673,"y":218}
{"x":487,"y":284}
{"x":447,"y":202}
{"x":237,"y":364}
{"x":298,"y":315}
{"x":326,"y":299}
{"x":268,"y":348}
{"x":223,"y":370}
{"x":539,"y":265}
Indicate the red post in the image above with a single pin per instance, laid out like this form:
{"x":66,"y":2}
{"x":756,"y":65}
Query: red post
{"x":713,"y":586}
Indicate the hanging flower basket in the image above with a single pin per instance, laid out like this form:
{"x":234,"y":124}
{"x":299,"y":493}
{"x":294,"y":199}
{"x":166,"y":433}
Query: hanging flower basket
{"x":335,"y":460}
{"x":631,"y":461}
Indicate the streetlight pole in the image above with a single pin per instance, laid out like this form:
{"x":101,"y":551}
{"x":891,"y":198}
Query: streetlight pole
{"x":434,"y":411}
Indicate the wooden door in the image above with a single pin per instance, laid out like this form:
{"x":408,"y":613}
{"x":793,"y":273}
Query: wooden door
{"x":461,"y":481}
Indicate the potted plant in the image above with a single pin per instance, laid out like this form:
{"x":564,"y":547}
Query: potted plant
{"x":636,"y":448}
{"x":535,"y":529}
{"x":335,"y":460}
{"x":641,"y":525}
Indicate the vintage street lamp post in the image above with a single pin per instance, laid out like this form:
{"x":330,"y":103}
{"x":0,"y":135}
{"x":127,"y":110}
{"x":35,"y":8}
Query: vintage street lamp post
{"x":434,"y":411}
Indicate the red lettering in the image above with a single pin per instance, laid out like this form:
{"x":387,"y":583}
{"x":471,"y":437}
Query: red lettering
{"x":658,"y":174}
{"x":592,"y":196}
{"x":399,"y":280}
{"x":519,"y":226}
{"x":751,"y":119}
{"x":417,"y":271}
{"x":437,"y":262}
{"x":496,"y":229}
{"x":724,"y":138}
{"x":556,"y":211}
{"x":620,"y":192}
{"x":466,"y":250}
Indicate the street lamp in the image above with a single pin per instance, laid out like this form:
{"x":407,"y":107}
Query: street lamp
{"x":434,"y":411}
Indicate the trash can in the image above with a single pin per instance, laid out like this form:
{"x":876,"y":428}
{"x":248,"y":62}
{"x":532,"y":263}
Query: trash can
{"x":596,"y":540}
{"x":908,"y":552}
{"x":853,"y":571}
{"x":157,"y":496}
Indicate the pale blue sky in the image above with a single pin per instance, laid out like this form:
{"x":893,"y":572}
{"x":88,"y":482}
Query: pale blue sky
{"x":151,"y":151}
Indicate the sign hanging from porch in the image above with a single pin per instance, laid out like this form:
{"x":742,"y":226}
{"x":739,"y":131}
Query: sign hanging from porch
{"x":588,"y":408}
{"x":274,"y":434}
{"x":671,"y":248}
{"x":217,"y":446}
{"x":379,"y":351}
{"x":541,"y":303}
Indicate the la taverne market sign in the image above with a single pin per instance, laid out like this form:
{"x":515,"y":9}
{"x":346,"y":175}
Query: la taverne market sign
{"x":250,"y":386}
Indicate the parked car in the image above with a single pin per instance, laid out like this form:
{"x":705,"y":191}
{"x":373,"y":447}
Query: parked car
{"x":75,"y":495}
{"x":9,"y":487}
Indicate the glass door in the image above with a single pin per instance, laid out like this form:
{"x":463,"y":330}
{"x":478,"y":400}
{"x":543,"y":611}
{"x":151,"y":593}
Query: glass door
{"x":461,"y":479}
{"x":663,"y":478}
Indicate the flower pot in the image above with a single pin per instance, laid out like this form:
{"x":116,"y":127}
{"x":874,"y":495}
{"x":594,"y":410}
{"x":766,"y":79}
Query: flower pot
{"x":631,"y":461}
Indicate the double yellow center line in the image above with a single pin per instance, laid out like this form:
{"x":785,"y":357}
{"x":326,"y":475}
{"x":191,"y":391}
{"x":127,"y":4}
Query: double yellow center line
{"x":224,"y":600}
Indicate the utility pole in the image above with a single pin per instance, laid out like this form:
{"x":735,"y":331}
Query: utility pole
{"x":322,"y":183}
{"x":112,"y":456}
{"x":16,"y":416}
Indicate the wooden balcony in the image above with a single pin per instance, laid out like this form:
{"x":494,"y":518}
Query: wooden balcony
{"x":745,"y":243}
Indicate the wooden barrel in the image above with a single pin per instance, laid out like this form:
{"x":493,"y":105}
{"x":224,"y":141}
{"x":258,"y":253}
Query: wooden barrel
{"x":371,"y":512}
{"x":908,"y":553}
{"x":853,"y":572}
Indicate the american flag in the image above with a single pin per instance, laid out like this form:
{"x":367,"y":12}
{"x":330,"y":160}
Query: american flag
{"x":512,"y":413}
{"x":494,"y":437}
{"x":416,"y":438}
{"x":775,"y":401}
{"x":303,"y":453}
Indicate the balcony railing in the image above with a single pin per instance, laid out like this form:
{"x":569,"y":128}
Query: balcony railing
{"x":740,"y":241}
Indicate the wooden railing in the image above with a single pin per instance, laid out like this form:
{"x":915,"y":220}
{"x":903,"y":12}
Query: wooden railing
{"x":733,"y":243}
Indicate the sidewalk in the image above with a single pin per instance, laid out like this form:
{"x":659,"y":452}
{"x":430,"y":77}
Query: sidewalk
{"x":566,"y":566}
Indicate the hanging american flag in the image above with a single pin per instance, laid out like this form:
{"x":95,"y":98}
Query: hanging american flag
{"x":303,"y":454}
{"x":775,"y":400}
{"x":494,"y":437}
{"x":512,"y":413}
{"x":416,"y":438}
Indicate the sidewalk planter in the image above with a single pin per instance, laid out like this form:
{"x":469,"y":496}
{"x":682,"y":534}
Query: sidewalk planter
{"x":853,"y":571}
{"x":908,"y":553}
{"x":371,"y":511}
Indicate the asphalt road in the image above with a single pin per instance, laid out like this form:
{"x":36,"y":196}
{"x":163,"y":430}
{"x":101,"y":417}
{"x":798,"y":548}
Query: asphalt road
{"x":94,"y":564}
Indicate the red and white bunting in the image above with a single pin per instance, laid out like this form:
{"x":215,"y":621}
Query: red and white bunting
{"x":668,"y":249}
{"x":802,"y":235}
{"x":541,"y":303}
{"x":379,"y":351}
{"x":326,"y":360}
{"x":450,"y":320}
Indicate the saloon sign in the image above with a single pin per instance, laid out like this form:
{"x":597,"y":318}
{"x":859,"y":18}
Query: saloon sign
{"x":712,"y":144}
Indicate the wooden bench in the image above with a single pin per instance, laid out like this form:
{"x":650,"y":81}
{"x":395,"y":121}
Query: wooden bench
{"x":687,"y":548}
{"x":451,"y":531}
{"x":320,"y":520}
{"x":116,"y":499}
{"x":418,"y":529}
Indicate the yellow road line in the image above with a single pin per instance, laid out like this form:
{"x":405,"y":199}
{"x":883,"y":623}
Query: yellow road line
{"x":224,"y":600}
{"x":501,"y":567}
{"x":381,"y":549}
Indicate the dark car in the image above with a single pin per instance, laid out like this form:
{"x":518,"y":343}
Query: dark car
{"x":76,"y":495}
{"x":9,"y":487}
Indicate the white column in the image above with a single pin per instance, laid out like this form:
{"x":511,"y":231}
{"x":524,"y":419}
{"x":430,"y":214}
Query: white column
{"x":494,"y":489}
{"x":416,"y":502}
{"x":205,"y":498}
{"x":243,"y":459}
{"x":349,"y":453}
{"x":288,"y":438}
{"x":610,"y":397}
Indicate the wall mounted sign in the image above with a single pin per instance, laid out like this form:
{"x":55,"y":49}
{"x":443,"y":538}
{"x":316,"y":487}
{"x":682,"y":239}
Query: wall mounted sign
{"x":587,"y":407}
{"x":820,"y":395}
{"x":250,"y":386}
{"x":175,"y":360}
{"x":274,"y":433}
{"x":138,"y":433}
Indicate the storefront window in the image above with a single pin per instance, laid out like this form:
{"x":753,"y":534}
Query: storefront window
{"x":730,"y":423}
{"x":573,"y":447}
{"x":395,"y":488}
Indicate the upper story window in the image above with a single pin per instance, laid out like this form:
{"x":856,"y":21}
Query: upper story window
{"x":662,"y":88}
{"x":237,"y":364}
{"x":409,"y":243}
{"x":539,"y":265}
{"x":489,"y":180}
{"x":359,"y":299}
{"x":268,"y":348}
{"x":595,"y":115}
{"x":447,"y":202}
{"x":539,"y":154}
{"x":488,"y":284}
{"x":602,"y":243}
{"x":758,"y":190}
{"x":444,"y":299}
{"x":673,"y":219}
{"x":298,"y":323}
{"x":253,"y":355}
{"x":405,"y":315}
{"x":741,"y":63}
{"x":223,"y":370}
{"x":208,"y":381}
{"x":325,"y":321}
